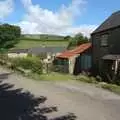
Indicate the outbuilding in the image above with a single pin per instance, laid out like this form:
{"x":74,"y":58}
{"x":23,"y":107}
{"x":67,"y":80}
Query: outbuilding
{"x":76,"y":60}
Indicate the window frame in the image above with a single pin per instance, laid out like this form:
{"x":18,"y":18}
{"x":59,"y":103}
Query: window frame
{"x":104,"y":40}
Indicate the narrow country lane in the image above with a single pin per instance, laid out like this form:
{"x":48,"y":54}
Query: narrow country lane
{"x":56,"y":99}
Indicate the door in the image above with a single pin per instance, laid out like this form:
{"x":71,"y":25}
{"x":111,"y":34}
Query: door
{"x":77,"y":68}
{"x":85,"y":62}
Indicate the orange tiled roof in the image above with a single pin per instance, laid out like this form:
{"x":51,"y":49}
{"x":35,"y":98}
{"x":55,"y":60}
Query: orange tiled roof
{"x":78,"y":50}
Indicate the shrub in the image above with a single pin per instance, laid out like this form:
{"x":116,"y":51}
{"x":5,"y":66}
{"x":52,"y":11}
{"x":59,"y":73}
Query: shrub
{"x":86,"y":78}
{"x":32,"y":63}
{"x":98,"y":78}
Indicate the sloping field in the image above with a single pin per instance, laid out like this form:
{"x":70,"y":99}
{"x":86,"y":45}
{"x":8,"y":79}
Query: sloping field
{"x":38,"y":43}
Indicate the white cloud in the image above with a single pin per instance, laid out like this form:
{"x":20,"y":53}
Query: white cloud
{"x":39,"y":20}
{"x":6,"y":7}
{"x":84,"y":29}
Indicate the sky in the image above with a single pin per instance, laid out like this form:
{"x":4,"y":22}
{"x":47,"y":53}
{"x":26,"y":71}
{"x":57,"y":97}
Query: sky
{"x":63,"y":17}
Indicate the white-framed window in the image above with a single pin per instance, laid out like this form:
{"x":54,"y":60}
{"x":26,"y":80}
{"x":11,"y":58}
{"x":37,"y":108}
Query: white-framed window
{"x":104,"y":40}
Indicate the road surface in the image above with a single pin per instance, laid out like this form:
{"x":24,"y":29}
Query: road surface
{"x":87,"y":102}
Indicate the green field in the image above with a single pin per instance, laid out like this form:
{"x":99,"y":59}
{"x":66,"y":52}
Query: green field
{"x":38,"y":43}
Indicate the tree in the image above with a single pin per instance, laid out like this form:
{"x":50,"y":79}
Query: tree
{"x":67,"y":38}
{"x":78,"y":39}
{"x":9,"y":35}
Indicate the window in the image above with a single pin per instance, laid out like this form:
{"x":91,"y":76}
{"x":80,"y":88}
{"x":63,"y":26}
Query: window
{"x":104,"y":40}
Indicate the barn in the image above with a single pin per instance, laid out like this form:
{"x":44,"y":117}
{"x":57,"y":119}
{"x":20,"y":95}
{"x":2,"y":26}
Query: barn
{"x":76,"y":60}
{"x":106,"y":46}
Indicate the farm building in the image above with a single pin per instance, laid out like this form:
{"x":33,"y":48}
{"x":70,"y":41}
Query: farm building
{"x":106,"y":46}
{"x":76,"y":60}
{"x":17,"y":53}
{"x":47,"y":52}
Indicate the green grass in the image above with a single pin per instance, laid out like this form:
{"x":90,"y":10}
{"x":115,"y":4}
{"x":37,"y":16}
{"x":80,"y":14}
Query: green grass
{"x":86,"y":79}
{"x":38,"y":43}
{"x":52,"y":76}
{"x":111,"y":87}
{"x":92,"y":80}
{"x":56,"y":76}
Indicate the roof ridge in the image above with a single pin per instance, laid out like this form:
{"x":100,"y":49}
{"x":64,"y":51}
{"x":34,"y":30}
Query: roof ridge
{"x":111,"y":22}
{"x":78,"y":50}
{"x":117,"y":12}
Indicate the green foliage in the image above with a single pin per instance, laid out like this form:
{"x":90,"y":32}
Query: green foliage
{"x":67,"y":38}
{"x":72,"y":44}
{"x":9,"y":35}
{"x":32,"y":63}
{"x":55,"y":76}
{"x":78,"y":39}
{"x":111,"y":87}
{"x":98,"y":81}
{"x":42,"y":56}
{"x":86,"y":79}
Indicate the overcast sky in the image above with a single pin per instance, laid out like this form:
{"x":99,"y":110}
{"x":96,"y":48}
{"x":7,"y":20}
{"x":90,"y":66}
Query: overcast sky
{"x":63,"y":17}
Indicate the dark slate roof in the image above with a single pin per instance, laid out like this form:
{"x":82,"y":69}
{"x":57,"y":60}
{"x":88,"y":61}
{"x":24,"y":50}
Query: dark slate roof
{"x":112,"y":22}
{"x":111,"y":57}
{"x":47,"y":50}
{"x":18,"y":51}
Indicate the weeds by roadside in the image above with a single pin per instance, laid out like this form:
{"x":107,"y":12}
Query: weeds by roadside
{"x":98,"y":82}
{"x":86,"y":79}
{"x":111,"y":87}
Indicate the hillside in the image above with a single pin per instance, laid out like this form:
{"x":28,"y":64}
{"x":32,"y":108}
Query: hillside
{"x":43,"y":37}
{"x":32,"y":40}
{"x":38,"y":43}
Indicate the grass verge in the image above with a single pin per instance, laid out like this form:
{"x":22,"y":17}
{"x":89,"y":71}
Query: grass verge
{"x":98,"y":82}
{"x":111,"y":87}
{"x":54,"y":76}
{"x":86,"y":79}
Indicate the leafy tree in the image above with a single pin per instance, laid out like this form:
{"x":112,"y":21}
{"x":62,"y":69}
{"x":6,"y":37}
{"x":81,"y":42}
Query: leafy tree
{"x":67,"y":38}
{"x":9,"y":35}
{"x":78,"y":39}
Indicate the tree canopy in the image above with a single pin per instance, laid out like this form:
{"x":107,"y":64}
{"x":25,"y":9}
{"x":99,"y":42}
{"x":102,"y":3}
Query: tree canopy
{"x":67,"y":38}
{"x":78,"y":39}
{"x":9,"y":35}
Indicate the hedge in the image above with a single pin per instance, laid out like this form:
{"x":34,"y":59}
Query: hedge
{"x":30,"y":63}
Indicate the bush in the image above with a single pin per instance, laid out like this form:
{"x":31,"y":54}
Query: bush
{"x":32,"y":63}
{"x":86,"y":78}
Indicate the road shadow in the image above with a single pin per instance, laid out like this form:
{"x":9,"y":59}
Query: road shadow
{"x":18,"y":105}
{"x":69,"y":116}
{"x":5,"y":75}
